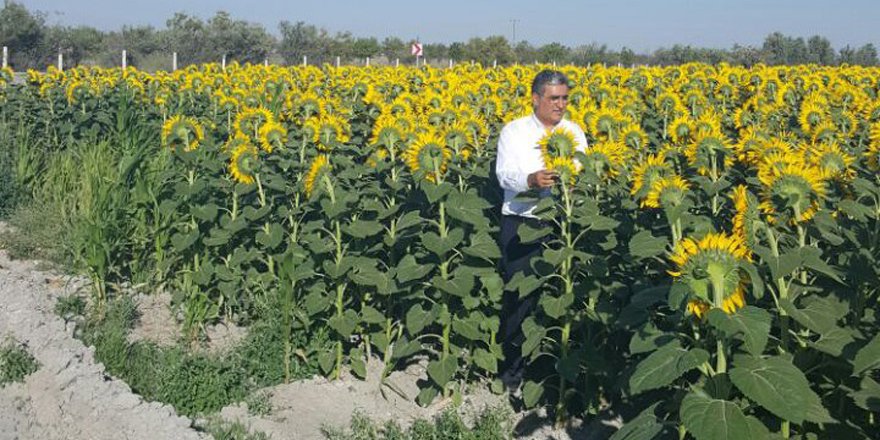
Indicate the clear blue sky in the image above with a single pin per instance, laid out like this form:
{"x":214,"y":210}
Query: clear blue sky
{"x":643,"y":25}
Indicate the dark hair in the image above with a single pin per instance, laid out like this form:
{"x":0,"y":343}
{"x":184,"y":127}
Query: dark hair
{"x":545,"y":77}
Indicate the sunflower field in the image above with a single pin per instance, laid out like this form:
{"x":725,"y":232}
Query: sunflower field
{"x":710,"y":265}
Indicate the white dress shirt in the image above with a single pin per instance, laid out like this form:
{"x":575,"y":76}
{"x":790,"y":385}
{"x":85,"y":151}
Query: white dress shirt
{"x":520,"y":155}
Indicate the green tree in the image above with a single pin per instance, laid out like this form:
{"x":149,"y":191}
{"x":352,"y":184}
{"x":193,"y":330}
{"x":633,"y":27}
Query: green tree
{"x":819,"y":50}
{"x":237,"y":39}
{"x":365,"y":47}
{"x":394,"y":48}
{"x":79,"y":44}
{"x":554,"y":52}
{"x":23,"y":33}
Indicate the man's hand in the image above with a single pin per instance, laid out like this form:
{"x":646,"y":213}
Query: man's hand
{"x":542,"y":179}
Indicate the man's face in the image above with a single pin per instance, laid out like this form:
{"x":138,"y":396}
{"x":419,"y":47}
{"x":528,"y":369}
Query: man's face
{"x":550,"y":106}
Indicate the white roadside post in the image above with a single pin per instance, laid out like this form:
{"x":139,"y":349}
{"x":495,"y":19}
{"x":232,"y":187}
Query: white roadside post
{"x":305,"y":60}
{"x":5,"y":57}
{"x":397,"y":62}
{"x":494,"y":63}
{"x":124,"y":59}
{"x":60,"y":61}
{"x":223,"y":62}
{"x":450,"y":63}
{"x":554,"y":63}
{"x":174,"y":61}
{"x":337,"y":62}
{"x":266,"y":62}
{"x":368,"y":61}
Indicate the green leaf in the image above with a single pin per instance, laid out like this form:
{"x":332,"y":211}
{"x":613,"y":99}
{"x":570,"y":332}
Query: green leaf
{"x":529,"y":234}
{"x":749,"y":324}
{"x":775,"y":384}
{"x":820,"y":314}
{"x":182,"y":241}
{"x":868,"y":397}
{"x":460,"y":285}
{"x":834,"y":341}
{"x":408,"y":269}
{"x":531,"y":393}
{"x":483,"y":246}
{"x":327,"y":361}
{"x":646,"y":426}
{"x":812,"y":258}
{"x":363,"y":228}
{"x":417,"y":319}
{"x":427,"y":395}
{"x":468,"y":328}
{"x":649,"y":339}
{"x":344,"y":324}
{"x":206,"y":213}
{"x":713,"y":419}
{"x":372,"y":316}
{"x":485,"y":360}
{"x":555,"y":307}
{"x":534,"y":334}
{"x":441,"y":371}
{"x":645,"y":245}
{"x":868,"y":357}
{"x":273,"y":238}
{"x":664,"y":366}
{"x":356,"y":360}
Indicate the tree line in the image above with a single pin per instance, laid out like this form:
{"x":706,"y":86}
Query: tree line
{"x":35,"y":44}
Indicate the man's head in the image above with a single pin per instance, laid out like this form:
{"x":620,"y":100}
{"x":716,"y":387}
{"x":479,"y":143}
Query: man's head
{"x":549,"y":96}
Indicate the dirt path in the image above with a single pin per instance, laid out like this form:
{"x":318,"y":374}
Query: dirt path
{"x":70,"y":396}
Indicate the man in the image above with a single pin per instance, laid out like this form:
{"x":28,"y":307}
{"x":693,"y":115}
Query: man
{"x":520,"y":168}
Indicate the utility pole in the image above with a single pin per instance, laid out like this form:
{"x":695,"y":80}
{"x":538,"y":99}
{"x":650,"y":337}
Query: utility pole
{"x":513,"y":40}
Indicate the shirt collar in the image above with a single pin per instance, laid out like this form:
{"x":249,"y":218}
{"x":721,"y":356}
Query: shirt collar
{"x":540,"y":125}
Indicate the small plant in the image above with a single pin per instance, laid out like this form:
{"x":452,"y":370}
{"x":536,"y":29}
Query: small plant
{"x":225,"y":430}
{"x":70,"y":306}
{"x":259,"y":403}
{"x":15,"y":362}
{"x":491,"y":424}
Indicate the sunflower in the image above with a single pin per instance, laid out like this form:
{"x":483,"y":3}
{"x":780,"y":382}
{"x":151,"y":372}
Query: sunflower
{"x":386,"y":132}
{"x":873,"y":151}
{"x":250,"y":119}
{"x":606,"y":159}
{"x":557,"y":143}
{"x":329,"y":130}
{"x":709,"y":152}
{"x":459,"y":138}
{"x":242,"y":163}
{"x":792,"y":190}
{"x":832,"y":160}
{"x":680,"y":130}
{"x":182,"y":131}
{"x":746,"y":206}
{"x":633,"y":136}
{"x":272,"y":134}
{"x":811,"y":115}
{"x":428,"y":155}
{"x":826,"y":131}
{"x":565,"y":167}
{"x":666,"y":192}
{"x":320,"y":165}
{"x":646,"y":172}
{"x":712,"y":269}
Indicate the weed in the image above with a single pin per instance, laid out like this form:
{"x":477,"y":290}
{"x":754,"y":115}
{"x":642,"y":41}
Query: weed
{"x":225,"y":430}
{"x":15,"y":362}
{"x":491,"y":424}
{"x":259,"y":403}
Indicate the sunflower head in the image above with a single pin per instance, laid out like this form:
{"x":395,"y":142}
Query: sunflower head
{"x":666,"y":192}
{"x":605,"y":159}
{"x":646,"y":172}
{"x":272,"y":135}
{"x":386,"y":132}
{"x":872,"y":153}
{"x":243,"y":162}
{"x":428,"y":156}
{"x":832,"y":160}
{"x":746,"y":206}
{"x":791,"y":191}
{"x":182,"y":133}
{"x":319,"y":167}
{"x":557,"y":143}
{"x":708,"y":152}
{"x":712,"y":269}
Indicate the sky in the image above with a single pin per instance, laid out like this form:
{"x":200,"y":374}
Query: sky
{"x":641,"y":25}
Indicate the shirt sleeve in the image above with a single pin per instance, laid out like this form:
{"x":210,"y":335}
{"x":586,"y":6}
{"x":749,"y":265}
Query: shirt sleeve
{"x":510,"y":175}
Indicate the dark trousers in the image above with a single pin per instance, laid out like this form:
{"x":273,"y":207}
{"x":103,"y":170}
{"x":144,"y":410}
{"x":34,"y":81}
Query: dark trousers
{"x":515,"y":257}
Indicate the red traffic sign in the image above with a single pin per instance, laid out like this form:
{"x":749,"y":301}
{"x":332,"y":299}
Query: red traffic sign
{"x":416,"y":49}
